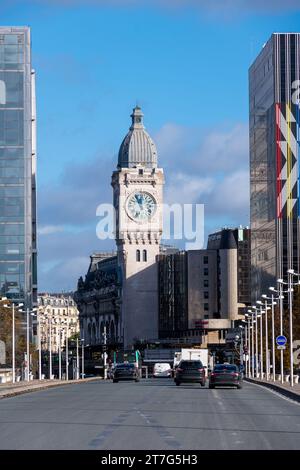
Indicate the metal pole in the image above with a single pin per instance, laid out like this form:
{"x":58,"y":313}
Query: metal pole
{"x":104,"y":356}
{"x":77,"y":359}
{"x":40,"y":346}
{"x":267,"y":341}
{"x":50,"y":349}
{"x":27,"y":345}
{"x":245,"y":349}
{"x":273,"y":342}
{"x":252,"y":344}
{"x":281,"y":330}
{"x":249,"y":349}
{"x":13,"y":345}
{"x":67,"y":344}
{"x":261,"y":346}
{"x":242,"y":350}
{"x":256,"y":347}
{"x":291,"y":330}
{"x":59,"y":351}
{"x":82,"y":358}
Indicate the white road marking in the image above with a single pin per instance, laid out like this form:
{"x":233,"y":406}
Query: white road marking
{"x":275,"y":393}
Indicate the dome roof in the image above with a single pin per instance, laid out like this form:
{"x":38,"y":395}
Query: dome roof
{"x":137,"y":147}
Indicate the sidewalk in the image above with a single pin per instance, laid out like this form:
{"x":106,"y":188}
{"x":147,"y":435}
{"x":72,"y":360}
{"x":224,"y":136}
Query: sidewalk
{"x":284,"y":389}
{"x":10,"y":389}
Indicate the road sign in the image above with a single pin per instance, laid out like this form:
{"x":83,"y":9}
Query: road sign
{"x":281,"y":340}
{"x":280,"y":347}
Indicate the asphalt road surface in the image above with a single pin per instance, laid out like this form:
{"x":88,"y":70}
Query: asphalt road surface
{"x":149,"y":415}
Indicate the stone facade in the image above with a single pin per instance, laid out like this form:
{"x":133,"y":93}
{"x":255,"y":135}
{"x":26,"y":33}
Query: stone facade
{"x":138,"y":197}
{"x":98,"y":299}
{"x":58,"y":312}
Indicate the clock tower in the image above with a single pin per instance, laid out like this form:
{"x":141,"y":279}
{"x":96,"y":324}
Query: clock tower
{"x":138,"y":195}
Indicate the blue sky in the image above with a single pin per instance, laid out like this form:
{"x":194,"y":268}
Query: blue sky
{"x":186,"y":64}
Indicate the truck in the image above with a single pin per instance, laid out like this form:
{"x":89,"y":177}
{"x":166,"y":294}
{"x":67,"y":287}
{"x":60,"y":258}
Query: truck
{"x":191,"y":354}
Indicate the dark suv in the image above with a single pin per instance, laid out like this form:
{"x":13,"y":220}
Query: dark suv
{"x":225,"y":375}
{"x":190,"y":371}
{"x":126,"y":371}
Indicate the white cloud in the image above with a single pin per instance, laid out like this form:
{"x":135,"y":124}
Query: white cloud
{"x":49,"y":229}
{"x":207,"y":166}
{"x":186,"y":189}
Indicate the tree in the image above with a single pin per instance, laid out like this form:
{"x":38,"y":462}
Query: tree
{"x":285,"y":328}
{"x":6,"y":315}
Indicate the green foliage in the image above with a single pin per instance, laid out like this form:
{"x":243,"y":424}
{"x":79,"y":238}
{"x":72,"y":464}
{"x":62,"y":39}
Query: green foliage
{"x":6,"y":314}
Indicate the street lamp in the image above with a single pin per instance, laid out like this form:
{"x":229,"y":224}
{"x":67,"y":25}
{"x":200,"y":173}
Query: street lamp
{"x":280,"y":291}
{"x":28,"y":312}
{"x":66,"y":302}
{"x":82,"y":358}
{"x":272,"y":298}
{"x":254,"y":322}
{"x":291,"y":273}
{"x":248,"y":344}
{"x":259,"y":302}
{"x":14,"y":339}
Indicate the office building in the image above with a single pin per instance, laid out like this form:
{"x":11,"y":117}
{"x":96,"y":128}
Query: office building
{"x":202,"y":292}
{"x":18,"y":276}
{"x":274,"y":149}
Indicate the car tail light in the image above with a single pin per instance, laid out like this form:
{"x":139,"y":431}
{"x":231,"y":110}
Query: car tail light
{"x":212,"y":374}
{"x":200,"y":370}
{"x":235,"y":374}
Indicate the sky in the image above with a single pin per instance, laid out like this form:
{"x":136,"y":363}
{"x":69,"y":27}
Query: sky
{"x":185,"y":62}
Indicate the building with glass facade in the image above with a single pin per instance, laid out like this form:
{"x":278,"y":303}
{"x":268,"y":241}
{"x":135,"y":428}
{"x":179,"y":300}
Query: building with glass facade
{"x":274,"y":170}
{"x":18,"y":277}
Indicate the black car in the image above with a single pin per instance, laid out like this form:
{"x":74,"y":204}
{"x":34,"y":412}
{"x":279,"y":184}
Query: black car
{"x":125,"y":371}
{"x":190,"y":371}
{"x":225,"y":375}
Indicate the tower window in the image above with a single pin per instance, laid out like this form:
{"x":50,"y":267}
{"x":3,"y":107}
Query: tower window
{"x":141,"y":171}
{"x":144,"y":255}
{"x":138,"y":255}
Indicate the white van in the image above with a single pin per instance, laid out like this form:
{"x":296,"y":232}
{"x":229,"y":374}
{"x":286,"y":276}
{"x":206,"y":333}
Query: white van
{"x":161,"y":369}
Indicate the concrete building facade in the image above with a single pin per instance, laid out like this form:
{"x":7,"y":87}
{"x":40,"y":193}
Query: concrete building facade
{"x":98,"y":298}
{"x":138,"y":196}
{"x":217,"y":286}
{"x":59,"y":313}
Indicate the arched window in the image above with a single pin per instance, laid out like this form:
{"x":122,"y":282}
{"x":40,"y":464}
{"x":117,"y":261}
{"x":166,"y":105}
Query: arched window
{"x":144,"y":255}
{"x":138,"y":255}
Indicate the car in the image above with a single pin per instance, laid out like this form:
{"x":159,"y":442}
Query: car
{"x":225,"y":375}
{"x":162,"y":369}
{"x":190,"y":371}
{"x":126,"y":371}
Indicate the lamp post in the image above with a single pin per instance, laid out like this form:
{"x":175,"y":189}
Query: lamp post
{"x":67,"y":340}
{"x":104,"y":355}
{"x":50,"y":347}
{"x":261,"y":374}
{"x":249,"y":346}
{"x":59,"y":352}
{"x":271,"y":305}
{"x":82,"y":358}
{"x":77,"y":359}
{"x":280,"y":293}
{"x":34,"y":312}
{"x":252,"y":343}
{"x":14,"y":340}
{"x":291,"y":273}
{"x":28,"y":314}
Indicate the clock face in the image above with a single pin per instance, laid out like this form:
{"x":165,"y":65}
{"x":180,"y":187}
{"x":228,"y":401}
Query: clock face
{"x":141,"y":206}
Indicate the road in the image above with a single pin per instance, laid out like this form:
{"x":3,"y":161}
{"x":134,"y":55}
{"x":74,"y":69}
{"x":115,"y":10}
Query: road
{"x":152,"y":414}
